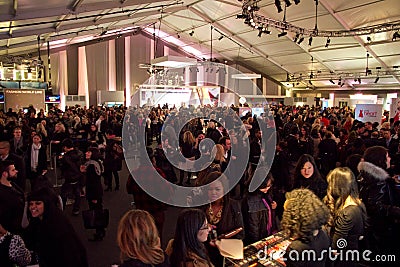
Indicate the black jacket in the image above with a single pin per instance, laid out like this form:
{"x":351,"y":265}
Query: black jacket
{"x":12,"y":202}
{"x":255,"y":215}
{"x":70,"y":166}
{"x":94,"y":189}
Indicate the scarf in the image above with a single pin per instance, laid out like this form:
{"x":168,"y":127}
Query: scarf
{"x":35,"y":156}
{"x":98,"y":166}
{"x":269,"y":224}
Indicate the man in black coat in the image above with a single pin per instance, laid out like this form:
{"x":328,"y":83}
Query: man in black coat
{"x":71,"y":162}
{"x":12,"y":199}
{"x":18,"y":162}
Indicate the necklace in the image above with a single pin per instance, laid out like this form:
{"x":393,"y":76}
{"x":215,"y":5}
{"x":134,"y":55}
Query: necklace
{"x":214,"y":218}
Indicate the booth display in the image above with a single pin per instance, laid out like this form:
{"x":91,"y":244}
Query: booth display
{"x":22,"y":98}
{"x":264,"y":252}
{"x":153,"y":95}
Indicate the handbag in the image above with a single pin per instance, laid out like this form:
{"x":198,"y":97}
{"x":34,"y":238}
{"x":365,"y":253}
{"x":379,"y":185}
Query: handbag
{"x":98,"y":218}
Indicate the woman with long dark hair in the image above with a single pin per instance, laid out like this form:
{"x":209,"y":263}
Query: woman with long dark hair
{"x":259,"y":211}
{"x":187,"y":248}
{"x":308,"y":176}
{"x":50,"y":234}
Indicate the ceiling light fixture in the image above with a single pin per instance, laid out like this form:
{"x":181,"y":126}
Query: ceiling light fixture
{"x":395,"y":36}
{"x":278,"y":6}
{"x":282,"y":34}
{"x":328,"y":41}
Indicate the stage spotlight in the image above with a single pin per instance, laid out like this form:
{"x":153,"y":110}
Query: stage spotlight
{"x":328,"y":41}
{"x":287,"y":2}
{"x":332,"y":82}
{"x":310,"y":41}
{"x":191,"y":33}
{"x":282,"y":34}
{"x":278,"y":6}
{"x":376,"y":80}
{"x":301,"y":40}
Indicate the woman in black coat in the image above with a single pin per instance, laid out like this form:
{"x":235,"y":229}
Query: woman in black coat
{"x":94,"y":189}
{"x":36,"y":160}
{"x":259,"y":212}
{"x":377,"y":193}
{"x":327,"y":153}
{"x":112,"y":162}
{"x":51,"y":235}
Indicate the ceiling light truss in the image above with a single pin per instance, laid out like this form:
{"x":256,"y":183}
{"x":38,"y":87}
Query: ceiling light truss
{"x":357,"y":77}
{"x":248,"y":14}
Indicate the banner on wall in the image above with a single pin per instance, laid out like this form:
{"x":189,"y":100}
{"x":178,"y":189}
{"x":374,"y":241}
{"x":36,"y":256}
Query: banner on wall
{"x":368,"y":112}
{"x":395,"y":109}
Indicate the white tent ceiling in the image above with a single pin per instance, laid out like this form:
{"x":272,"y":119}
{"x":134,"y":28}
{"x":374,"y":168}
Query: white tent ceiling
{"x":72,"y":21}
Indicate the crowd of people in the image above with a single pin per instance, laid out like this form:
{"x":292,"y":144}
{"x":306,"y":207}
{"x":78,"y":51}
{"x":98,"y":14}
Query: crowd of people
{"x":331,"y":178}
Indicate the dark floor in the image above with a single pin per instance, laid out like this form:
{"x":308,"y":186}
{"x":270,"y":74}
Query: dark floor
{"x":106,"y":252}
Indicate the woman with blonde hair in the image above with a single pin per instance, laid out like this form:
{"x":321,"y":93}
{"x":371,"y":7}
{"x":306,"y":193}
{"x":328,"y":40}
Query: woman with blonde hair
{"x":138,"y":240}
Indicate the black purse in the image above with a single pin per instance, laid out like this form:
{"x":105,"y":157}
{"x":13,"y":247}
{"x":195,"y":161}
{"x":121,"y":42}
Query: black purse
{"x":98,"y":218}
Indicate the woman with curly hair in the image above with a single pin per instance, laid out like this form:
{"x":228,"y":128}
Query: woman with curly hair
{"x":308,"y":176}
{"x":138,"y":240}
{"x":187,"y":248}
{"x":303,"y":218}
{"x":348,"y":214}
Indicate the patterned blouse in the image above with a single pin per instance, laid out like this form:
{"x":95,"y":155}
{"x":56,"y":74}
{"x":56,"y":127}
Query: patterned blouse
{"x":17,"y":252}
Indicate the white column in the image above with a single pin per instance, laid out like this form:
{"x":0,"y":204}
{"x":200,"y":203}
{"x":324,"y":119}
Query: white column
{"x":63,"y":78}
{"x":83,"y":86}
{"x":128,"y":71}
{"x":112,"y":75}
